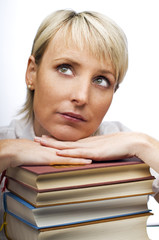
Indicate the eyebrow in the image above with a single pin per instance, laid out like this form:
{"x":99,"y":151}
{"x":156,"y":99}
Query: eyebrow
{"x":103,"y":71}
{"x":68,"y":59}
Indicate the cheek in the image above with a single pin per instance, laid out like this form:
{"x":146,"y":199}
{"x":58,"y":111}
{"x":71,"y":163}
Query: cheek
{"x":46,"y":93}
{"x":102,"y":104}
{"x":100,"y":113}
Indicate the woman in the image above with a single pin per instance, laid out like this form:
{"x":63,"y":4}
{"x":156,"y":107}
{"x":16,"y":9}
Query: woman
{"x":77,"y":62}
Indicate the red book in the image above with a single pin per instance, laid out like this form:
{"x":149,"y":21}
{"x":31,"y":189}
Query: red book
{"x":48,"y":178}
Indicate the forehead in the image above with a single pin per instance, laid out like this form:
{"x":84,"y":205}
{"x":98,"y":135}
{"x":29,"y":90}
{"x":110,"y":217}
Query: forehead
{"x":95,"y":44}
{"x":67,"y":46}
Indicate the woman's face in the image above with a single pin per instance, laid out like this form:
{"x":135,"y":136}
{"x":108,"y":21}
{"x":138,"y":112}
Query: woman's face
{"x":72,"y":92}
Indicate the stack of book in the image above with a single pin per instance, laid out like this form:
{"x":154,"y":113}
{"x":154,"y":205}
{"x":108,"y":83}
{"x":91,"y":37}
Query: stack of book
{"x":105,"y":200}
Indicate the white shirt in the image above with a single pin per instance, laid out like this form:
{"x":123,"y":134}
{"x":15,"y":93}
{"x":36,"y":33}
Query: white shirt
{"x":22,"y":129}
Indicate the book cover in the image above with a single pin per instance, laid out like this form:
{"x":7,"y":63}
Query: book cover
{"x":71,"y":214}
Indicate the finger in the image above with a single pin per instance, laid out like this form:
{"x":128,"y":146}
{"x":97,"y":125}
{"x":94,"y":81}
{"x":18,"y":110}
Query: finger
{"x":90,"y":153}
{"x":49,"y":142}
{"x":55,"y":159}
{"x":78,"y":153}
{"x":92,"y":139}
{"x":46,"y":136}
{"x":70,"y":161}
{"x":71,"y":145}
{"x":44,"y":140}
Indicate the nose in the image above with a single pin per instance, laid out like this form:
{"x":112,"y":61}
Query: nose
{"x":81,"y":92}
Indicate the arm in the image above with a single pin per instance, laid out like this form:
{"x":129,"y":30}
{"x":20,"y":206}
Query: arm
{"x":110,"y":147}
{"x":15,"y":152}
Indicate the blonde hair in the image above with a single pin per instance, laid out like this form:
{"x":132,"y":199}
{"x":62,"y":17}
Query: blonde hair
{"x":102,"y":36}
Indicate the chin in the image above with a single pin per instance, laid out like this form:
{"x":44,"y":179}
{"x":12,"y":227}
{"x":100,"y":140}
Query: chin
{"x":68,"y":133}
{"x":69,"y":136}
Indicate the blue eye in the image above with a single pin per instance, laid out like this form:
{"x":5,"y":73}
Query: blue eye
{"x":101,"y":81}
{"x":65,"y":69}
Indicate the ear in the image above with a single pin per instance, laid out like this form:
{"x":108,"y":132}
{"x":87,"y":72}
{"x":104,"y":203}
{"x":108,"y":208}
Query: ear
{"x":31,"y":73}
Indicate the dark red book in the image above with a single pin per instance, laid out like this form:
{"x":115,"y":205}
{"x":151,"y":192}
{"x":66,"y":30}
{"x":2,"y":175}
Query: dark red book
{"x":46,"y":178}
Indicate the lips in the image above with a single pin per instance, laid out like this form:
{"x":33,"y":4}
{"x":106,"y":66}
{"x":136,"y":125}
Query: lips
{"x":73,"y":116}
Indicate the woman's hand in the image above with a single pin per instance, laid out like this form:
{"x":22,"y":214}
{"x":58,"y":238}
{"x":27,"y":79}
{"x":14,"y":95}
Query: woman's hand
{"x":105,"y":147}
{"x":15,"y":152}
{"x":109,"y":147}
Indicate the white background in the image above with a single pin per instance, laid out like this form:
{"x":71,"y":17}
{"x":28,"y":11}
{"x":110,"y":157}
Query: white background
{"x":135,"y":103}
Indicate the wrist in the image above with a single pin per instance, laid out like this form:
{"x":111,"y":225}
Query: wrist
{"x":140,"y":142}
{"x":147,"y":149}
{"x":7,"y":153}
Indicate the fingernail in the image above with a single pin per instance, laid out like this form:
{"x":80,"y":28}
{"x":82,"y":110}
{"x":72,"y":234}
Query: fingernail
{"x":88,"y":161}
{"x":40,"y":140}
{"x":45,"y":136}
{"x":37,"y":139}
{"x":58,"y":152}
{"x":43,"y":141}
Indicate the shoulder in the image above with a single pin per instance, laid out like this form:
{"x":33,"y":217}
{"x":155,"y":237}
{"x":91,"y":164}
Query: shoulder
{"x":18,"y":128}
{"x":111,"y":127}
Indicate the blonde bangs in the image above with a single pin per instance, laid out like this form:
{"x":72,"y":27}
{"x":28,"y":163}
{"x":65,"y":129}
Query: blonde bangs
{"x":84,"y":36}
